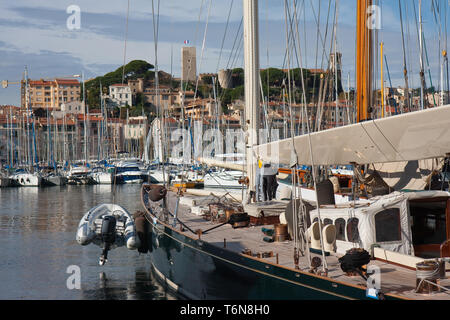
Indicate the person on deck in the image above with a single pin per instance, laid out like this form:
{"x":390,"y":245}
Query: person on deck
{"x":270,"y":183}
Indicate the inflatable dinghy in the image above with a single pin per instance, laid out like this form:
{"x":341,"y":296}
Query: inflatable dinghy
{"x":108,"y":226}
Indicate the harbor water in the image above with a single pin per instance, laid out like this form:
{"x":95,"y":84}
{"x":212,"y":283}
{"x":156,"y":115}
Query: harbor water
{"x":40,"y":258}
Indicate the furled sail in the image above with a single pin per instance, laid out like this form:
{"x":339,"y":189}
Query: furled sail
{"x":408,"y":137}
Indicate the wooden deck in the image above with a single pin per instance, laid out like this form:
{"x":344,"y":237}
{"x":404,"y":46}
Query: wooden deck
{"x":395,"y":279}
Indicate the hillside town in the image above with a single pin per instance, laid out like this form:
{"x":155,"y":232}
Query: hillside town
{"x":64,"y":128}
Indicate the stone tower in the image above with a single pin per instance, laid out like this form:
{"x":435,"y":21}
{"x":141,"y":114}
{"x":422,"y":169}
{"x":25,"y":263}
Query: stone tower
{"x":188,"y":64}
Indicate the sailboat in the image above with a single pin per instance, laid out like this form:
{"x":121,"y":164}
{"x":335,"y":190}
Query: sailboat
{"x":24,"y":178}
{"x":301,"y":250}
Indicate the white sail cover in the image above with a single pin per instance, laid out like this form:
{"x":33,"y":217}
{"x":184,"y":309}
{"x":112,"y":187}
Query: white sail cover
{"x":412,"y":136}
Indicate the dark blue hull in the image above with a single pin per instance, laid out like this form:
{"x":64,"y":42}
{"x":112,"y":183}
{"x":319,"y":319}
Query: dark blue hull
{"x":198,"y":270}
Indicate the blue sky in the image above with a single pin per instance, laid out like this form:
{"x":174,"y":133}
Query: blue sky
{"x":34,"y":33}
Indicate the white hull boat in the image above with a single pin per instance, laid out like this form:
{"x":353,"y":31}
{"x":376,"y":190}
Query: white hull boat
{"x":102,"y":177}
{"x":79,"y":175}
{"x":27,"y":179}
{"x":128,"y":172}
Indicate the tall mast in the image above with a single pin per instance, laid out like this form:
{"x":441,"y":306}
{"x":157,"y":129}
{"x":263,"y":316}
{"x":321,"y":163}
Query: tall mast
{"x":364,"y":62}
{"x":422,"y":72}
{"x":86,"y":114}
{"x":27,"y":117}
{"x":252,"y":91}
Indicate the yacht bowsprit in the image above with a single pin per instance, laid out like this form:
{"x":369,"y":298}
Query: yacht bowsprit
{"x":108,"y":226}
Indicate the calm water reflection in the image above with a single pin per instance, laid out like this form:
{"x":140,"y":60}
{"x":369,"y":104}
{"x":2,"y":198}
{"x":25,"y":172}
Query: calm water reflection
{"x":37,"y":245}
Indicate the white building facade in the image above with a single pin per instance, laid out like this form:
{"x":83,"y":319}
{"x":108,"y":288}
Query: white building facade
{"x":120,"y":95}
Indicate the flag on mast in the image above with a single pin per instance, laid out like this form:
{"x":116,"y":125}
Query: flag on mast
{"x":186,"y":41}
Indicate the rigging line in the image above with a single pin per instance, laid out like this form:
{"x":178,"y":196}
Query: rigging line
{"x":319,"y":34}
{"x":291,"y":34}
{"x":234,"y":54}
{"x":293,"y":151}
{"x":125,"y":47}
{"x":223,"y":41}
{"x":421,"y":46}
{"x":325,"y":264}
{"x":160,"y":109}
{"x":224,"y":36}
{"x":268,"y":45}
{"x":304,"y":32}
{"x":324,"y":84}
{"x":336,"y":62}
{"x":239,"y":49}
{"x":438,"y":20}
{"x":429,"y":71}
{"x":183,"y":89}
{"x":408,"y":31}
{"x":317,"y":46}
{"x":198,"y":22}
{"x":289,"y":73}
{"x":405,"y":69}
{"x":203,"y":49}
{"x":300,"y":66}
{"x":238,"y":34}
{"x":324,"y":55}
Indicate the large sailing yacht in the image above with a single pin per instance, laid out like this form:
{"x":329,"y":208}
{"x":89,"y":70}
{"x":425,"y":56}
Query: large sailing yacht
{"x":220,"y":248}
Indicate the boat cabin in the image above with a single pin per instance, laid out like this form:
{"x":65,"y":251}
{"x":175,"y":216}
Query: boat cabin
{"x":409,"y":223}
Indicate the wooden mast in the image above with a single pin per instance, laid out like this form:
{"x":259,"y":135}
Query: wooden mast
{"x":364,"y":57}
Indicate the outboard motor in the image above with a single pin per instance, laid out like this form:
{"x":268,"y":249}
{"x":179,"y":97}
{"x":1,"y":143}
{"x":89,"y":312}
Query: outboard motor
{"x":108,"y":234}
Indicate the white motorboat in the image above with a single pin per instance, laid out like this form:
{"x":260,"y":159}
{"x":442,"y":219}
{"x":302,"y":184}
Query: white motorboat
{"x":79,"y":174}
{"x":128,"y":172}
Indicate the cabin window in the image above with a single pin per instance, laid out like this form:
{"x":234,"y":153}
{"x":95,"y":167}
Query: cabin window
{"x":387,"y":225}
{"x":340,"y":229}
{"x":429,"y":222}
{"x":352,"y":230}
{"x":327,"y":221}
